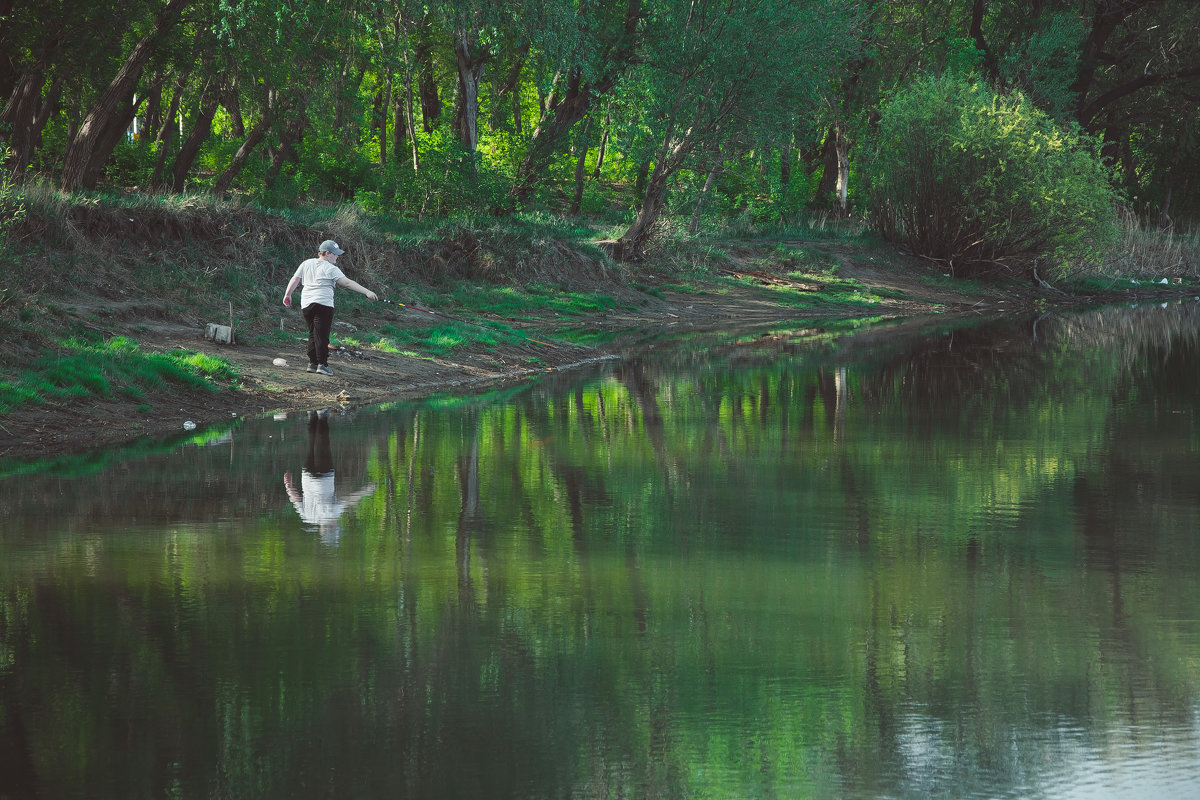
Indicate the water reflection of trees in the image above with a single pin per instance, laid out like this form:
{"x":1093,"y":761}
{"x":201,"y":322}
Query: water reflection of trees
{"x":795,"y":572}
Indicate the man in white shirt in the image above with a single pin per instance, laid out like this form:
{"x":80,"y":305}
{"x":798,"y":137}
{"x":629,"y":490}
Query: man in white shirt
{"x":319,"y":277}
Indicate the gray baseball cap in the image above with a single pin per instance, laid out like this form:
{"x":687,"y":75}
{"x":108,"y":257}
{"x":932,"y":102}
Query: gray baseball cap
{"x":330,"y":246}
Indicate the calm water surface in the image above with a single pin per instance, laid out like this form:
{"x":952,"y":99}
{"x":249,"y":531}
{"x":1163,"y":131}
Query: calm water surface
{"x":958,"y":562}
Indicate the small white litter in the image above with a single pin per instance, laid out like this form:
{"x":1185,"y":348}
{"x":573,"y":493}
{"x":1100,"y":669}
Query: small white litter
{"x":189,"y":426}
{"x":280,"y":362}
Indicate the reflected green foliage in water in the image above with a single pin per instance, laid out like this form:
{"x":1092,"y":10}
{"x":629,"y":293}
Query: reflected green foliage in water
{"x":961,"y":561}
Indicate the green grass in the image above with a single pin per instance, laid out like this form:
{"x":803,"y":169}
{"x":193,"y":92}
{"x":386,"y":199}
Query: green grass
{"x":79,"y":369}
{"x":443,"y":340}
{"x":524,"y":302}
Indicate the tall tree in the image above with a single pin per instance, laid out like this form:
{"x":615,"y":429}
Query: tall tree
{"x":604,"y":41}
{"x":720,"y":73}
{"x":94,"y":140}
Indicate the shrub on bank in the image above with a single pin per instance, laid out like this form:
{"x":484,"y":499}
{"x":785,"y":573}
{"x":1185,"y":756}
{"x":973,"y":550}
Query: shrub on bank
{"x":981,"y":182}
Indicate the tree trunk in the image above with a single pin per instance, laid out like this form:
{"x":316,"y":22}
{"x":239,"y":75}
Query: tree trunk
{"x":1164,"y":212}
{"x":1108,"y":15}
{"x":153,"y":115}
{"x":470,"y":69}
{"x":672,"y":154}
{"x":253,"y":140}
{"x":507,"y":96}
{"x":49,"y":103}
{"x":827,"y":186}
{"x":843,"y":170}
{"x":563,"y":111}
{"x":556,"y":124}
{"x":399,"y":127}
{"x":113,"y":131}
{"x":600,"y":152}
{"x":83,"y":156}
{"x":291,"y":136}
{"x":26,"y":114}
{"x":632,"y":244}
{"x":717,"y":166}
{"x":431,"y":104}
{"x":975,"y":31}
{"x":166,"y":133}
{"x":580,"y":169}
{"x":201,"y":128}
{"x":408,"y":99}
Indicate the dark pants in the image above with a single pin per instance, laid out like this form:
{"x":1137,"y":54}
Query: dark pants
{"x":320,"y":456}
{"x":319,"y":319}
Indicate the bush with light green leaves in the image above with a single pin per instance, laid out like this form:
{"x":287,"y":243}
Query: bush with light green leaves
{"x":983,"y":183}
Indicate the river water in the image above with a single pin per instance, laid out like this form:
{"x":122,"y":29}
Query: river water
{"x":958,"y":560}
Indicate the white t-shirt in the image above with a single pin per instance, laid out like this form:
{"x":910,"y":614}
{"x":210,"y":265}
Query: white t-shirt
{"x":319,"y":503}
{"x":318,"y":277}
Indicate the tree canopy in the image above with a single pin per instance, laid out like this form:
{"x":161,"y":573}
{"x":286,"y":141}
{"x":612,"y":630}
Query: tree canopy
{"x":751,"y":109}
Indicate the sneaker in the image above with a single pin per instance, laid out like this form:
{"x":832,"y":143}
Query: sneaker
{"x":324,"y":370}
{"x":312,"y":367}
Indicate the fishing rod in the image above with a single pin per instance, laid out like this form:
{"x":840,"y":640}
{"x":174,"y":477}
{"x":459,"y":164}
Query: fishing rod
{"x":457,"y":319}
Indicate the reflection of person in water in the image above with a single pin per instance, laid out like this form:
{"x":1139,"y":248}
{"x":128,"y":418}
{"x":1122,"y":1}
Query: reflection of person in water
{"x":317,"y":501}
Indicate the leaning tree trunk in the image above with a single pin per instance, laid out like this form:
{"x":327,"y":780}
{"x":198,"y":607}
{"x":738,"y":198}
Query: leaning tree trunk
{"x":26,"y":114}
{"x":562,"y":113}
{"x":166,"y":132}
{"x":293,"y":132}
{"x":632,"y":244}
{"x":83,"y":152}
{"x":202,"y":127}
{"x":602,"y":149}
{"x":253,"y":140}
{"x":550,"y":133}
{"x":114,"y":130}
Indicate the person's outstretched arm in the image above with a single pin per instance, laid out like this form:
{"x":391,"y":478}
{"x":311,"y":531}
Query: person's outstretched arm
{"x":346,"y":283}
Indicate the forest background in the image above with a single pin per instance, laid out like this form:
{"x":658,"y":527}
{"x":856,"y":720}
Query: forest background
{"x":555,"y":147}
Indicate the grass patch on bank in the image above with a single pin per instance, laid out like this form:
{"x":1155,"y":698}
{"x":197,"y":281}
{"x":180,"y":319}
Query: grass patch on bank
{"x":443,"y":340}
{"x":522,"y":302}
{"x":79,"y":369}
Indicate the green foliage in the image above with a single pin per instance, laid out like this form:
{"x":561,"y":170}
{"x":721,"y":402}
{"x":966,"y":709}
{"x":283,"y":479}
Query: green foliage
{"x":983,"y":182}
{"x":132,"y":163}
{"x":80,"y":368}
{"x":446,"y":184}
{"x":12,"y":200}
{"x":1046,"y":65}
